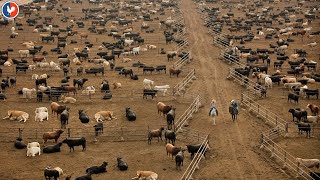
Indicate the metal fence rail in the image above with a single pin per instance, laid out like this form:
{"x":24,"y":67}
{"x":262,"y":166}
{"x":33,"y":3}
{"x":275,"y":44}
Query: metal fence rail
{"x":194,"y":107}
{"x":182,"y":85}
{"x":182,"y":61}
{"x":194,"y":164}
{"x":289,"y":162}
{"x":270,"y":117}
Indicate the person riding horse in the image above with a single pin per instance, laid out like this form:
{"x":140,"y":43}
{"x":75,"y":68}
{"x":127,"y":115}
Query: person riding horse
{"x":213,"y":105}
{"x":234,"y":109}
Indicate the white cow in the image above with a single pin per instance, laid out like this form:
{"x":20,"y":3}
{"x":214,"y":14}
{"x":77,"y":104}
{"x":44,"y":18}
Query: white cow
{"x":27,"y":93}
{"x":309,"y":163}
{"x":41,"y":109}
{"x":40,"y":116}
{"x":33,"y":144}
{"x":128,"y":41}
{"x":268,"y":82}
{"x":162,"y":89}
{"x":24,"y":53}
{"x":147,"y":83}
{"x":32,"y":151}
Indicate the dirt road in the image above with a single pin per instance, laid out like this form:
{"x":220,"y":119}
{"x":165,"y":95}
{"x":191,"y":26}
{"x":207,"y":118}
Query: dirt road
{"x":234,"y":154}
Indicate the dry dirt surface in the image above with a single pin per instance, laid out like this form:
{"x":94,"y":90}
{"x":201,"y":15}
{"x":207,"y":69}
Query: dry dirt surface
{"x":234,"y":152}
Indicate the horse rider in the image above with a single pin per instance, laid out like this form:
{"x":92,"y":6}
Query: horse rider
{"x":234,"y":105}
{"x":212,"y":105}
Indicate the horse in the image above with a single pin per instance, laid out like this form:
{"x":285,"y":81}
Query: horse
{"x":213,"y":112}
{"x":233,"y":110}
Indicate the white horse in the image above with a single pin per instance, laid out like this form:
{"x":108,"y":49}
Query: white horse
{"x":213,"y":112}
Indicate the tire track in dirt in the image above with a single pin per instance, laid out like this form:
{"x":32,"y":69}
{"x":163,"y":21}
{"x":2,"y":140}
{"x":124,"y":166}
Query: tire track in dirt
{"x":233,"y":143}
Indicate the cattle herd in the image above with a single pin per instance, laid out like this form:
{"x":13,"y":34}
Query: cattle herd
{"x":63,"y":56}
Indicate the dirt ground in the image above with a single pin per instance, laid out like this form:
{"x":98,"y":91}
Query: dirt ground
{"x":234,"y":150}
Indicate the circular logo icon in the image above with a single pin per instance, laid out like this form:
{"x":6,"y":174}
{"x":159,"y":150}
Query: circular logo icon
{"x":10,"y":10}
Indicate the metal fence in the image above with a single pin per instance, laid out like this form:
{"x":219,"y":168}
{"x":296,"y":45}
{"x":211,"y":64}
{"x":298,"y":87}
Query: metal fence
{"x":194,"y":164}
{"x":182,"y":61}
{"x":182,"y":85}
{"x":182,"y":121}
{"x":280,"y":128}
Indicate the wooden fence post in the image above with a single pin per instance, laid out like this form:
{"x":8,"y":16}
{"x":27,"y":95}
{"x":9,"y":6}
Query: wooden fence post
{"x":272,"y":151}
{"x":285,"y":160}
{"x":261,"y":141}
{"x":20,"y":133}
{"x":69,"y":133}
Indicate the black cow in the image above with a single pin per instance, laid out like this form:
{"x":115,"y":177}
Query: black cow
{"x":48,"y":38}
{"x":275,"y":79}
{"x":109,"y":58}
{"x":2,"y":96}
{"x":315,"y":175}
{"x":179,"y":159}
{"x":82,"y":55}
{"x":41,"y":81}
{"x":149,"y":92}
{"x":39,"y":96}
{"x":98,"y":129}
{"x":64,"y":118}
{"x":300,"y":115}
{"x":19,"y":144}
{"x":312,"y":92}
{"x":22,"y":67}
{"x":192,"y":149}
{"x":52,"y":148}
{"x":148,"y":68}
{"x":170,"y":135}
{"x":161,"y":68}
{"x":122,"y":165}
{"x":304,"y":127}
{"x":79,"y":82}
{"x":101,"y":54}
{"x":51,"y":172}
{"x":98,"y":169}
{"x":95,"y":70}
{"x":282,"y":58}
{"x":126,"y":72}
{"x":131,"y":116}
{"x":71,"y":142}
{"x":294,"y":97}
{"x":84,"y":118}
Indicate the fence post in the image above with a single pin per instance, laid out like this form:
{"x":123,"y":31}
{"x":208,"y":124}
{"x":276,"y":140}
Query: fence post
{"x":286,"y":129}
{"x":285,"y":160}
{"x":272,"y":151}
{"x":69,"y":132}
{"x":261,"y":141}
{"x":20,"y":133}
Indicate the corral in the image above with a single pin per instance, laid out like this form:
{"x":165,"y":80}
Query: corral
{"x":236,"y":148}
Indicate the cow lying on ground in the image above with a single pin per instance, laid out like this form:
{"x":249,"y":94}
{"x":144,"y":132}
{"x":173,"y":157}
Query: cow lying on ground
{"x":104,"y":115}
{"x":146,"y":175}
{"x":17,"y":115}
{"x":52,"y":172}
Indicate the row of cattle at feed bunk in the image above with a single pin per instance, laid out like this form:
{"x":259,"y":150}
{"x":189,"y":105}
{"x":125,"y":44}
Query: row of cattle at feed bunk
{"x":256,"y":34}
{"x":53,"y":53}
